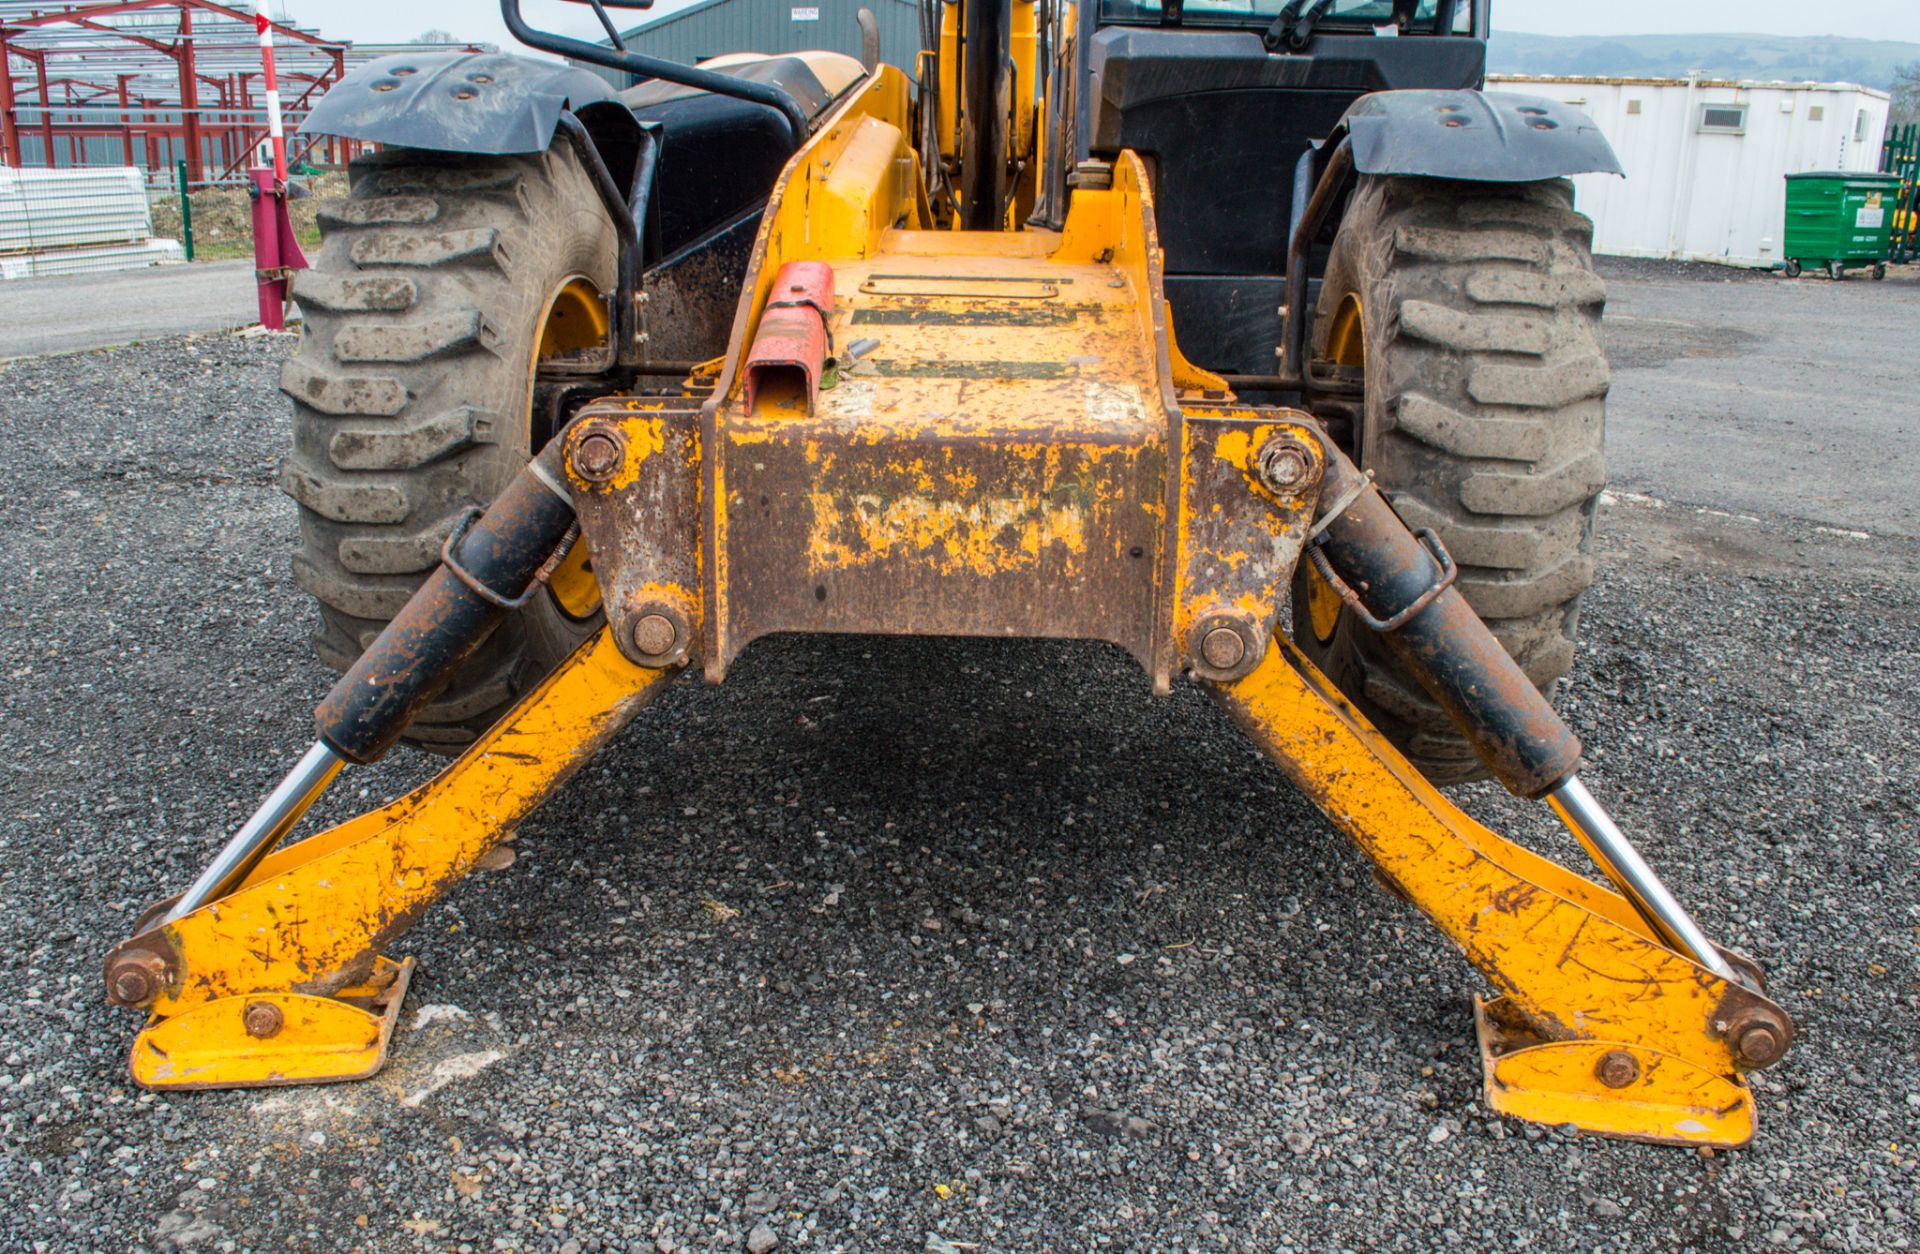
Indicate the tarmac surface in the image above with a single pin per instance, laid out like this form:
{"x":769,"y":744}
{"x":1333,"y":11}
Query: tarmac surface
{"x":967,"y":945}
{"x":1746,"y":391}
{"x":83,"y":311}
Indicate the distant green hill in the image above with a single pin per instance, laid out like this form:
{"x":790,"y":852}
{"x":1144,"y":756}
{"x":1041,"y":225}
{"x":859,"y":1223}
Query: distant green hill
{"x":1829,"y":59}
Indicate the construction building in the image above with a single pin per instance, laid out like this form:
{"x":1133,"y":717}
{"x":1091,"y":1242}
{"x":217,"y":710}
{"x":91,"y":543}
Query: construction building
{"x":714,"y":28}
{"x":150,"y":83}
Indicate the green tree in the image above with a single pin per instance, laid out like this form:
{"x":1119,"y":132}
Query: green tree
{"x":438,"y":36}
{"x":1906,"y":92}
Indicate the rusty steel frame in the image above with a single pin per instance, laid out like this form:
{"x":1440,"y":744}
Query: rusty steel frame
{"x":187,"y":88}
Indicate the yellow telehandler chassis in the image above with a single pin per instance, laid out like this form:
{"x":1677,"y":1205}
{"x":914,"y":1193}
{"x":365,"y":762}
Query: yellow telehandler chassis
{"x":1006,"y":442}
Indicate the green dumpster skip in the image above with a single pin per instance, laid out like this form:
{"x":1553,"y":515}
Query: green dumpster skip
{"x":1839,"y":219}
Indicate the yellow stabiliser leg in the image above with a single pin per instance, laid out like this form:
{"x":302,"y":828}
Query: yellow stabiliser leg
{"x":1598,"y":1024}
{"x":282,"y":981}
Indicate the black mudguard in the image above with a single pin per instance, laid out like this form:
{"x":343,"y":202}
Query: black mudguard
{"x":472,"y":102}
{"x":1485,"y":137}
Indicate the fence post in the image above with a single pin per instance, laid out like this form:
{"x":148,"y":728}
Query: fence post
{"x":186,"y":208}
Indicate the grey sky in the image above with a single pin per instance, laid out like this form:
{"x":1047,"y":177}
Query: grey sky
{"x":377,"y":21}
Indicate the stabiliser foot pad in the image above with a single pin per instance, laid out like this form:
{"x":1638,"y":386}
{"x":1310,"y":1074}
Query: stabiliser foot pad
{"x":264,"y":1039}
{"x":1608,"y":1087}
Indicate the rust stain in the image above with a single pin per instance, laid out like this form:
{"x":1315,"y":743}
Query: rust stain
{"x":985,"y":536}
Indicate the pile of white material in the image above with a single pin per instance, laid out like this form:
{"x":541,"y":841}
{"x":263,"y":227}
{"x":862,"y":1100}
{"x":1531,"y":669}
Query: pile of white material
{"x":77,"y":221}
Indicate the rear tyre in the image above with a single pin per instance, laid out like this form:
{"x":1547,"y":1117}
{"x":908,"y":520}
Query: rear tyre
{"x":442,"y":280}
{"x":1473,"y":309}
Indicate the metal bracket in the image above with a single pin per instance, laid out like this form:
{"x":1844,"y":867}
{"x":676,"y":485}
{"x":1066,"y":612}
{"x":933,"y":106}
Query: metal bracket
{"x":1584,"y":976}
{"x":641,"y":519}
{"x":451,"y":545}
{"x":262,"y":1039}
{"x":282,"y":980}
{"x":1448,"y":573}
{"x":1614,"y":1087}
{"x":1241,"y":534}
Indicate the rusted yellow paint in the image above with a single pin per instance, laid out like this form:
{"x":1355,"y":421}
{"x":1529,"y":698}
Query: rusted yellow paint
{"x":314,"y":913}
{"x":670,"y":593}
{"x":645,"y":437}
{"x":1569,"y":955}
{"x":1663,"y":1098}
{"x":1037,"y":345}
{"x":984,"y":535}
{"x":1237,"y":447}
{"x":315,"y":1040}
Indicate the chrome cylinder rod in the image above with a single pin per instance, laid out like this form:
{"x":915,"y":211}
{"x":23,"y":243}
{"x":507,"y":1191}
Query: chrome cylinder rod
{"x":1630,"y":873}
{"x":258,"y":835}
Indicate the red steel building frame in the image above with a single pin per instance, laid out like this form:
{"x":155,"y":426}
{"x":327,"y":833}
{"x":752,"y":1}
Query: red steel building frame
{"x":167,"y":79}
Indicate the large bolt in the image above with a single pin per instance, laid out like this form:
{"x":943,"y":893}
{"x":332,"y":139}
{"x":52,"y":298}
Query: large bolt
{"x":654,"y":635}
{"x":1617,"y":1069}
{"x":1760,"y":1045}
{"x":1223,"y":648}
{"x":262,"y":1019}
{"x":596,"y":457}
{"x":135,"y":979}
{"x":1286,"y":465}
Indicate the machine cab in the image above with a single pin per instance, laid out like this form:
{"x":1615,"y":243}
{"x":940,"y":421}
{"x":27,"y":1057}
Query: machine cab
{"x":1261,"y":81}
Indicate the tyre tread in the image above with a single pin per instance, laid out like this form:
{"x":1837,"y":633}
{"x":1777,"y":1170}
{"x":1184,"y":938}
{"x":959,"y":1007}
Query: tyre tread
{"x":402,"y":385}
{"x":1486,"y":367}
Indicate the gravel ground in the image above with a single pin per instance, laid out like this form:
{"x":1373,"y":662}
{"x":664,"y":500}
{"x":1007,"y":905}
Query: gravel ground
{"x":891,"y":945}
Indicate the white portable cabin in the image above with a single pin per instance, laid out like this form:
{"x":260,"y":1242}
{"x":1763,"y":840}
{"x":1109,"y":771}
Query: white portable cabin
{"x":1706,"y":159}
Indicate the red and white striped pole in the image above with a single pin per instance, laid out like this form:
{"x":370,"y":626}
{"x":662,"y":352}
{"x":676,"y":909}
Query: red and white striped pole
{"x":275,"y":131}
{"x":276,"y":251}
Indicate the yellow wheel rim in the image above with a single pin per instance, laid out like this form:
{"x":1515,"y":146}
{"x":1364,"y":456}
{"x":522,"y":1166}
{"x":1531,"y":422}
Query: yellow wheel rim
{"x":573,"y":585}
{"x":576,"y":320}
{"x":1346,"y":346}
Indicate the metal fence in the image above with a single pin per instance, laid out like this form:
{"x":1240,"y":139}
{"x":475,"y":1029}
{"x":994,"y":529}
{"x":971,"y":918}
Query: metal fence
{"x":1900,"y":154}
{"x":77,"y":221}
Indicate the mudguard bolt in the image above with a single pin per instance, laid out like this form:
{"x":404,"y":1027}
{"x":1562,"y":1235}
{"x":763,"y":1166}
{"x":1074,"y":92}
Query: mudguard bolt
{"x":654,"y":635}
{"x":1223,"y":648}
{"x":1760,"y":1045}
{"x":596,"y":457}
{"x":262,"y":1019}
{"x":1617,"y":1069}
